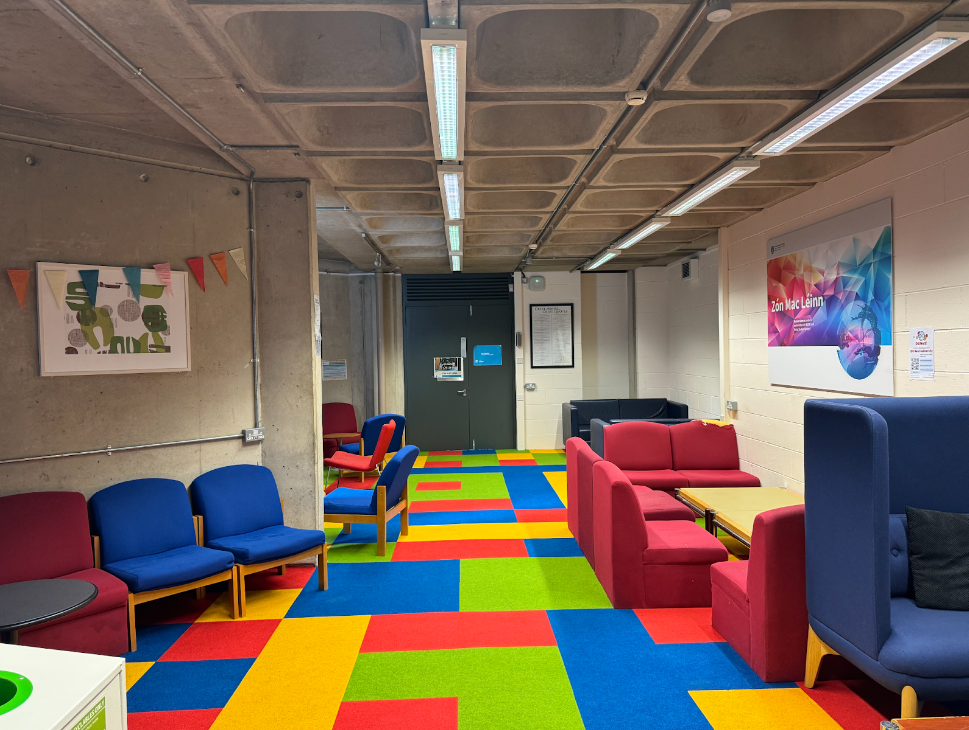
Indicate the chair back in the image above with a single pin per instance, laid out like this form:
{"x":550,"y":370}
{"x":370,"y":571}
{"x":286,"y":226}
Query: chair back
{"x":620,"y":532}
{"x":638,"y":446}
{"x":586,"y":410}
{"x":394,"y":476}
{"x":141,"y":517}
{"x":43,"y":535}
{"x":643,"y":408}
{"x":383,"y":442}
{"x":699,"y":445}
{"x":235,"y":500}
{"x":370,"y":432}
{"x":339,"y":418}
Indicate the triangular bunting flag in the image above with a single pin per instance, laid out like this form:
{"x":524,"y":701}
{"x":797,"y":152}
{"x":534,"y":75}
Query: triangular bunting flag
{"x":19,"y":280}
{"x":240,"y":258}
{"x":219,"y":260}
{"x":164,"y":272}
{"x":57,"y":278}
{"x":198,"y":268}
{"x":90,"y":279}
{"x":133,"y":275}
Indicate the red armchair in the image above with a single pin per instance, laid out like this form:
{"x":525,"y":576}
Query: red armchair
{"x":643,"y":452}
{"x":706,"y":455}
{"x":339,"y":424}
{"x":648,"y":564}
{"x":759,"y":605}
{"x":47,"y":535}
{"x":344,"y":461}
{"x":572,"y":484}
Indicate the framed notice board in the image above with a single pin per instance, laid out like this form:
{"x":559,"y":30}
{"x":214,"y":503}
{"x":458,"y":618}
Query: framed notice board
{"x":551,"y":328}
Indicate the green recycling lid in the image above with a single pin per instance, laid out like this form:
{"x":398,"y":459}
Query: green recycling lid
{"x":14,"y":691}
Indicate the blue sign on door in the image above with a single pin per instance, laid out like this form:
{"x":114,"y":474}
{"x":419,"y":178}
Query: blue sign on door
{"x":487,"y":354}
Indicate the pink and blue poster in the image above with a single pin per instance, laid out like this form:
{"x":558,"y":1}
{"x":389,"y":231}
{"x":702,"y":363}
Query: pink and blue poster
{"x":829,"y":304}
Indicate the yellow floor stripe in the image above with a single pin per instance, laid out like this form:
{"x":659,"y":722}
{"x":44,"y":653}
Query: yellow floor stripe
{"x":548,"y":451}
{"x":419,"y":462}
{"x":133,"y":671}
{"x":557,"y":480}
{"x":299,"y":679}
{"x":259,"y":605}
{"x":762,"y":709}
{"x":499,"y":531}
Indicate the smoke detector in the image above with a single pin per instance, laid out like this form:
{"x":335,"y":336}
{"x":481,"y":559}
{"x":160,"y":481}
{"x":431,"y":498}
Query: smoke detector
{"x":718,"y":11}
{"x":636,"y":98}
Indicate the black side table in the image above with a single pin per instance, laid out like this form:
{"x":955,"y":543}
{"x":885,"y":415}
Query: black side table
{"x":33,"y":602}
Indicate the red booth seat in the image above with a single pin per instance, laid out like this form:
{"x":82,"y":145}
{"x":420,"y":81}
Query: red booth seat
{"x":46,"y":535}
{"x":759,"y":605}
{"x":648,"y":564}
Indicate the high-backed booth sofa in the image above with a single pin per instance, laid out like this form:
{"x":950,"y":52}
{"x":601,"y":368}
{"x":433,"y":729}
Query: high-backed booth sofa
{"x":577,"y":414}
{"x":865,"y":461}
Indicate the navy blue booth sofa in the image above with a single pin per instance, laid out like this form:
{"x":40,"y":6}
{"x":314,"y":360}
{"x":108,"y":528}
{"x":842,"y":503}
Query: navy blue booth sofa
{"x":865,"y":461}
{"x":578,"y":414}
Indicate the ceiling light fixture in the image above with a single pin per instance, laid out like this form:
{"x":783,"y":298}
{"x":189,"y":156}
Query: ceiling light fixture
{"x":925,"y":46}
{"x":451,"y":180}
{"x":456,"y":263}
{"x":722,"y":178}
{"x":647,"y":229}
{"x":455,"y":238}
{"x":445,"y":72}
{"x":599,"y":260}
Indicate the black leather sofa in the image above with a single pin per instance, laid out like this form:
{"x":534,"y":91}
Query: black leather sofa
{"x":577,"y":415}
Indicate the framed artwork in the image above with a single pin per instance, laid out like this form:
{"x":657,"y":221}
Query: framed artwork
{"x":551,"y":335}
{"x":133,"y":324}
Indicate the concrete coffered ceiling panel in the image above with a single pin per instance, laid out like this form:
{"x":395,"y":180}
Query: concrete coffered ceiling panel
{"x":890,"y":122}
{"x":585,"y":237}
{"x":477,"y":240}
{"x":373,"y":172}
{"x":520,"y":171}
{"x":387,"y":202}
{"x":750,"y":197}
{"x":656,"y":169}
{"x":539,"y":126}
{"x":360,"y":127}
{"x":626,"y":200}
{"x":709,"y":219}
{"x":510,"y":200}
{"x":801,"y":166}
{"x":404,"y":223}
{"x":502,"y":222}
{"x":398,"y":240}
{"x":600,"y":222}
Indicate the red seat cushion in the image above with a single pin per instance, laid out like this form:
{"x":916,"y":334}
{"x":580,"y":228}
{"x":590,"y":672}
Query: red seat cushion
{"x":637,"y":446}
{"x":680,"y":542}
{"x":665,"y":479}
{"x":112,"y":593}
{"x":731,"y":578}
{"x":661,"y":506}
{"x":720,"y":478}
{"x":699,"y":445}
{"x":343,"y":460}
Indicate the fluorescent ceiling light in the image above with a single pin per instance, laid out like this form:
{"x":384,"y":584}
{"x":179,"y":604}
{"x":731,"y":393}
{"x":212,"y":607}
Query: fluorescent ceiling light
{"x":929,"y":44}
{"x":451,"y":180}
{"x":445,"y":72}
{"x":647,"y":229}
{"x":725,"y":176}
{"x":456,"y":263}
{"x":455,"y":238}
{"x":601,"y":259}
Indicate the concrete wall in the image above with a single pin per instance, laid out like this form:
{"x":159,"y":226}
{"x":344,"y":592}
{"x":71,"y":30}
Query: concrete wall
{"x":928,"y":182}
{"x":81,"y":208}
{"x":390,"y":344}
{"x":652,"y":333}
{"x":605,"y":347}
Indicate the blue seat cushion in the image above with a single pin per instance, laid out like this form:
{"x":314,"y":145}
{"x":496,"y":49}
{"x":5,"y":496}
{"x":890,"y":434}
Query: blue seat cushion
{"x":269,"y":543}
{"x":925,"y":642}
{"x":170,"y":568}
{"x":346,"y":501}
{"x":351,"y":448}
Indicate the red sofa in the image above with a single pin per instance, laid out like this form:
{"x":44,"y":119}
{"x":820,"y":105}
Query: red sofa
{"x":46,"y":535}
{"x":759,"y":605}
{"x":648,"y":564}
{"x":580,"y":459}
{"x":694,"y":454}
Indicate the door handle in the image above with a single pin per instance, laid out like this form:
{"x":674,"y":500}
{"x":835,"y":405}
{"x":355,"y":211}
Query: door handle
{"x":463,"y":392}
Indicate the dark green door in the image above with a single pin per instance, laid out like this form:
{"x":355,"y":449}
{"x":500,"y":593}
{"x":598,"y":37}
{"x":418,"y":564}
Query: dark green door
{"x":491,"y":388}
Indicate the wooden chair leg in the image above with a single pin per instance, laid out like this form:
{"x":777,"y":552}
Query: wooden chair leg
{"x":200,"y":593}
{"x":911,"y":707}
{"x":816,"y":651}
{"x":281,"y":570}
{"x":132,"y":638}
{"x":381,"y":521}
{"x":405,"y":514}
{"x":239,"y":589}
{"x":347,"y":526}
{"x":322,"y":577}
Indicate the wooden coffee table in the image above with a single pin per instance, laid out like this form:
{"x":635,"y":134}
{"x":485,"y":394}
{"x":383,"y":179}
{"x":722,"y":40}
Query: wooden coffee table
{"x":930,"y":723}
{"x":733,"y":509}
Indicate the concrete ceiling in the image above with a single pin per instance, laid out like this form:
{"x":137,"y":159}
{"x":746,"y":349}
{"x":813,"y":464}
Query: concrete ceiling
{"x":335,"y":92}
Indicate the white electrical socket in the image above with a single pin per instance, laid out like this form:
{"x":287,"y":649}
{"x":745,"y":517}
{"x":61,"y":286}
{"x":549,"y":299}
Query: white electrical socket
{"x":520,"y":361}
{"x":521,"y":397}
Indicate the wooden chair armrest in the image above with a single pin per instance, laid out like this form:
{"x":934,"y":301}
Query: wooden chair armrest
{"x":96,"y":546}
{"x":341,"y":435}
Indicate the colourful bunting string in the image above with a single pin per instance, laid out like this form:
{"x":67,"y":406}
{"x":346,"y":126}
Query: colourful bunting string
{"x":90,"y":279}
{"x":164,"y":272}
{"x":57,"y":278}
{"x":240,"y":258}
{"x":197,"y":265}
{"x":133,"y":275}
{"x":18,"y":279}
{"x":219,"y":260}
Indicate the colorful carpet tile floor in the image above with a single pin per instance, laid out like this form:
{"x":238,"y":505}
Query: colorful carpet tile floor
{"x":485,"y":616}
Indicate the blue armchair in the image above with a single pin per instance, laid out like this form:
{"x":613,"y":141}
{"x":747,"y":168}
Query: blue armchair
{"x":239,"y":511}
{"x":387,"y":499}
{"x":370,"y":433}
{"x":865,"y":461}
{"x":146,"y":537}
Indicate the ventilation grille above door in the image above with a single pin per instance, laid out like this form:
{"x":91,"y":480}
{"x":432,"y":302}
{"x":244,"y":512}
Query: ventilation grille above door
{"x":450,"y":287}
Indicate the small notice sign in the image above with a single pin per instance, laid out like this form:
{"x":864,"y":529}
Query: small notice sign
{"x":921,"y":353}
{"x":334,"y":370}
{"x":449,"y":368}
{"x":487,"y":355}
{"x":94,"y":719}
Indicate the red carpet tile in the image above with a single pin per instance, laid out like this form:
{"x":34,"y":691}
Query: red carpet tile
{"x":845,"y":707}
{"x":431,"y":714}
{"x":679,"y":625}
{"x":541,"y":515}
{"x":181,"y":608}
{"x":352,"y":482}
{"x":518,"y":462}
{"x":438,"y":486}
{"x":178,"y":720}
{"x":442,"y":465}
{"x":221,"y":640}
{"x":462,"y":630}
{"x":269,"y":580}
{"x":459,"y":505}
{"x":459,"y":550}
{"x":445,"y":453}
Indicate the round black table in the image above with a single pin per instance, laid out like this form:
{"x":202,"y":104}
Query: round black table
{"x":33,"y":602}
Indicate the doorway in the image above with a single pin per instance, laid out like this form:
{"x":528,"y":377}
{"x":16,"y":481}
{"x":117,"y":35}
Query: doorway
{"x":468,"y":316}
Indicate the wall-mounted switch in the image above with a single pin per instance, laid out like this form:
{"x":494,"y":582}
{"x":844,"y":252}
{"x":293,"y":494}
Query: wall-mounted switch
{"x":530,"y":386}
{"x":731,"y":405}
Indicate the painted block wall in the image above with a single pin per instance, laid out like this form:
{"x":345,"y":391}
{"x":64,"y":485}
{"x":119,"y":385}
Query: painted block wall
{"x":928,"y":182}
{"x":605,"y":347}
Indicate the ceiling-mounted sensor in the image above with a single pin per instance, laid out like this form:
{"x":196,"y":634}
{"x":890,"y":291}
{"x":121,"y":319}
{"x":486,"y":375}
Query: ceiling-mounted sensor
{"x":718,"y":11}
{"x":636,"y":98}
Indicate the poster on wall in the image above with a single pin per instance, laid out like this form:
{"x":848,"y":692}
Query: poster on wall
{"x":552,"y":342}
{"x":829,"y":304}
{"x":132,"y":324}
